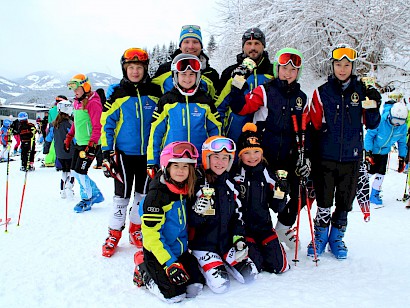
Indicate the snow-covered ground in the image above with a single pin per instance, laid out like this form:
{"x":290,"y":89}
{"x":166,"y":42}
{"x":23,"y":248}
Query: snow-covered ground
{"x":53,"y":259}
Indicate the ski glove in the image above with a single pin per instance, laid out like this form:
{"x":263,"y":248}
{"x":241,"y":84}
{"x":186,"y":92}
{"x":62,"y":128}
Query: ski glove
{"x":67,"y":142}
{"x":303,"y":167}
{"x":402,"y":165}
{"x":202,"y":204}
{"x":369,"y":157}
{"x":90,"y":150}
{"x":176,"y":273}
{"x":109,"y":164}
{"x":46,"y":147}
{"x":152,"y":170}
{"x":373,"y":94}
{"x":241,"y":248}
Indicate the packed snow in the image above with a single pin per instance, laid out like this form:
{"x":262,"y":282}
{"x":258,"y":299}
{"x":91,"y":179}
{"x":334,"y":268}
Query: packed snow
{"x":53,"y":259}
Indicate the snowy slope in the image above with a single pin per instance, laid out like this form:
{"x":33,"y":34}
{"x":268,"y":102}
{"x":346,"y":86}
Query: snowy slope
{"x":53,"y":259}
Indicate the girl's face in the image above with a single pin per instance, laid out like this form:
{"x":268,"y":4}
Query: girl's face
{"x":219,"y":162}
{"x":251,"y":157}
{"x":135,"y":71}
{"x":288,"y":72}
{"x":186,"y":79}
{"x":179,"y":171}
{"x":342,"y":69}
{"x":79,"y":92}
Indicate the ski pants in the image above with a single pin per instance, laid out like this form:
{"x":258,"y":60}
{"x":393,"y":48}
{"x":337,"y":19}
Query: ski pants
{"x":26,"y":147}
{"x":380,"y":164}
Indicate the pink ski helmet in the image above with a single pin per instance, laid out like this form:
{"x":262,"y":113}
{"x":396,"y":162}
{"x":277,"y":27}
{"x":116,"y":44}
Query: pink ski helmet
{"x":178,"y":152}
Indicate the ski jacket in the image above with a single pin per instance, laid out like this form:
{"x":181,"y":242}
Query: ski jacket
{"x":338,"y":116}
{"x":27,"y":131}
{"x":257,"y":185}
{"x":87,"y":126}
{"x":178,"y":117}
{"x":232,"y":123}
{"x":215,"y":232}
{"x":59,"y":135}
{"x":127,"y":117}
{"x":381,"y":139}
{"x":15,"y":126}
{"x":274,"y":103}
{"x":52,"y":114}
{"x":209,"y":76}
{"x":164,"y":222}
{"x":4,"y":135}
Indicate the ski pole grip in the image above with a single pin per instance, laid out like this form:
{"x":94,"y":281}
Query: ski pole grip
{"x":304,"y":116}
{"x":295,"y":123}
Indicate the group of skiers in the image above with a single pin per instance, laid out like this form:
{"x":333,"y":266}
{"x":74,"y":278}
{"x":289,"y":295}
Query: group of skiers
{"x":220,"y":154}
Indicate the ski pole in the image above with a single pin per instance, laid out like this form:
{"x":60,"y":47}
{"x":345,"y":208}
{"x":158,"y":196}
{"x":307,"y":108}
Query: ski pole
{"x":7,"y":176}
{"x":405,"y":195}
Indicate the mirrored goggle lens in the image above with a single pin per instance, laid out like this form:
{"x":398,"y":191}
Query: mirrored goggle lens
{"x":218,"y":145}
{"x":184,"y":64}
{"x":135,"y":54}
{"x":294,"y":59}
{"x":397,"y":121}
{"x":252,"y":35}
{"x":195,"y":27}
{"x":73,"y":85}
{"x":185,"y":149}
{"x":344,"y":52}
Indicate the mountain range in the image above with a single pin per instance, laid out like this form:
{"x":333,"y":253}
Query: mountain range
{"x":42,"y":87}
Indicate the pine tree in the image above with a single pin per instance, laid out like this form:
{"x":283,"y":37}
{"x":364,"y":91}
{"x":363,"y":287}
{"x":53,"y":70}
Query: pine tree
{"x":211,"y":46}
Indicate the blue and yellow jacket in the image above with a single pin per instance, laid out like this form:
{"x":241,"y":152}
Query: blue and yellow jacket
{"x":209,"y":76}
{"x":127,"y":115}
{"x":182,"y":118}
{"x":381,"y":139}
{"x":164,"y":222}
{"x":232,"y":123}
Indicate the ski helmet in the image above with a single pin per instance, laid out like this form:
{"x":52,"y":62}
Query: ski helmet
{"x":285,"y":56}
{"x":343,"y":51}
{"x":398,"y":114}
{"x":181,"y":63}
{"x":65,"y":107}
{"x":134,"y":55}
{"x":79,"y":80}
{"x":218,"y":144}
{"x":178,"y":152}
{"x":6,"y":123}
{"x":22,"y":116}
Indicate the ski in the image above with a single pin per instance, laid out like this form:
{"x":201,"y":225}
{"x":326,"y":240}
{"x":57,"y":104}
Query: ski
{"x":5,"y":222}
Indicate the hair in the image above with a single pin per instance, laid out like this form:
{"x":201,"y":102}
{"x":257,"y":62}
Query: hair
{"x":190,"y":181}
{"x":61,"y":117}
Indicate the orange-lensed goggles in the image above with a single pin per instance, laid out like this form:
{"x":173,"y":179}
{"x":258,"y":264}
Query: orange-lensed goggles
{"x":291,"y":58}
{"x":135,"y":54}
{"x":344,"y":52}
{"x":184,"y":64}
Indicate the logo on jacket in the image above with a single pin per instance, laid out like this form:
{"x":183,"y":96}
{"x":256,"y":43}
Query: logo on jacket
{"x":196,"y":112}
{"x":299,"y":103}
{"x":355,"y":99}
{"x":355,"y":152}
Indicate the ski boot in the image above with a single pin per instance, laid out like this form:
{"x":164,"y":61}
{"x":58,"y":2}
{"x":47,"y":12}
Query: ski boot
{"x":375,"y":197}
{"x":69,"y":191}
{"x":82,"y":206}
{"x":63,"y":194}
{"x":138,"y":260}
{"x":23,"y":168}
{"x":321,"y":239}
{"x":336,"y":244}
{"x":286,"y":235}
{"x":98,"y":198}
{"x":135,"y":235}
{"x":111,"y":242}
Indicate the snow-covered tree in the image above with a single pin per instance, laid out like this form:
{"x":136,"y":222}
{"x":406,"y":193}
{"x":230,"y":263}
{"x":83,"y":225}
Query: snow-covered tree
{"x":211,"y":46}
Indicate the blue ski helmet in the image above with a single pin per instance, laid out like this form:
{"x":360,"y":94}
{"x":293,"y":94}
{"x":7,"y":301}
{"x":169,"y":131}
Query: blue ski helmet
{"x":6,"y":122}
{"x":22,"y":116}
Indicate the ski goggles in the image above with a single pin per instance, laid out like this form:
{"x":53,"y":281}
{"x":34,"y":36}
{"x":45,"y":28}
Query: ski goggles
{"x":291,"y":58}
{"x":219,"y":144}
{"x":397,"y":121}
{"x":74,"y":84}
{"x":135,"y":54}
{"x":183,"y":149}
{"x":184,"y":64}
{"x":252,"y":35}
{"x":193,"y":27}
{"x":395,"y":96}
{"x":59,"y":99}
{"x":344,"y":52}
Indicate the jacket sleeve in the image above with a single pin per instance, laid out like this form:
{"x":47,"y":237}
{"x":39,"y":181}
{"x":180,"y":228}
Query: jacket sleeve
{"x":94,"y":108}
{"x":402,"y":142}
{"x":157,"y":134}
{"x":249,"y":103}
{"x":109,"y":119}
{"x":369,"y":139}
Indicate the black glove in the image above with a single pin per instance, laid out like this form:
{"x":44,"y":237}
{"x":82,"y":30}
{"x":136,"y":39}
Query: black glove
{"x":369,"y":157}
{"x":303,"y":167}
{"x":46,"y":147}
{"x":176,"y":273}
{"x":283,"y":185}
{"x":241,"y":70}
{"x":241,"y":248}
{"x":402,"y":165}
{"x":373,"y":94}
{"x":109,"y":163}
{"x":90,"y":150}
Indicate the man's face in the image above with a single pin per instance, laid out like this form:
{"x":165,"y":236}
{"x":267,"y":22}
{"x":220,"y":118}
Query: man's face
{"x":191,"y":46}
{"x":253,"y":49}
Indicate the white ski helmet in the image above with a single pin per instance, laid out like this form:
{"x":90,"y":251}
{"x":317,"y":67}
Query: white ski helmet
{"x":181,"y":63}
{"x":65,"y":106}
{"x":398,"y":114}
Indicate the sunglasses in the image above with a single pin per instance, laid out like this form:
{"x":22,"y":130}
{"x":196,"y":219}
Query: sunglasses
{"x":397,"y":121}
{"x":183,"y":149}
{"x":344,"y":52}
{"x":74,"y":84}
{"x":291,"y":58}
{"x":252,"y":35}
{"x":217,"y":145}
{"x":184,"y":64}
{"x":194,"y":27}
{"x":135,"y":54}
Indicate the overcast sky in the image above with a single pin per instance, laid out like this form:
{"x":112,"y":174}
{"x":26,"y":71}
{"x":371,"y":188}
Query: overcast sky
{"x":90,"y":35}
